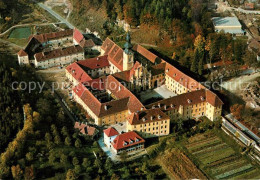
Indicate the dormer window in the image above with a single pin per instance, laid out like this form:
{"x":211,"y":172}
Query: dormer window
{"x":175,"y":75}
{"x":73,"y":71}
{"x":159,"y":105}
{"x":131,"y":141}
{"x":202,"y":98}
{"x":125,"y":143}
{"x":153,"y":107}
{"x":167,"y":70}
{"x":189,"y":101}
{"x":159,"y":116}
{"x":105,"y":107}
{"x":151,"y":117}
{"x":165,"y":107}
{"x":137,"y":140}
{"x":143,"y":119}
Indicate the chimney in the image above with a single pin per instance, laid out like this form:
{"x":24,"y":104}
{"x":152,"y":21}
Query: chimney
{"x":98,"y":58}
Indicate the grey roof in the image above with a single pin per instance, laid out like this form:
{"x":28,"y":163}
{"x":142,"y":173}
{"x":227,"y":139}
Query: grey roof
{"x":225,"y":21}
{"x":231,"y":31}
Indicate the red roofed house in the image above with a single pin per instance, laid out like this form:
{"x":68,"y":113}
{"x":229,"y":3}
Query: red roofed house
{"x":23,"y":57}
{"x":109,"y":135}
{"x":129,"y":142}
{"x":85,"y":129}
{"x":79,"y":39}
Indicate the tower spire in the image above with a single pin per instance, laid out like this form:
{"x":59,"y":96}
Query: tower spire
{"x":128,"y":46}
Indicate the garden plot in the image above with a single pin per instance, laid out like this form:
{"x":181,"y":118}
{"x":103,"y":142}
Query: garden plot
{"x":218,"y":159}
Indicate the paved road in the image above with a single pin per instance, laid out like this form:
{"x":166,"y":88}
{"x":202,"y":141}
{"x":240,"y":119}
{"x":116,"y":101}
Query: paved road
{"x":61,"y":19}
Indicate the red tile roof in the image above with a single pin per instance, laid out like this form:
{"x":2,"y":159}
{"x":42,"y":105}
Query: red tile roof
{"x":127,"y":75}
{"x":120,"y":91}
{"x":98,"y":108}
{"x":127,"y":138}
{"x":114,"y":52}
{"x":111,"y":132}
{"x":146,"y":53}
{"x":78,"y":73}
{"x":85,"y":129}
{"x":87,"y":43}
{"x":77,"y":36}
{"x":53,"y":35}
{"x":147,"y":116}
{"x":187,"y":99}
{"x":182,"y":78}
{"x":95,"y":63}
{"x":22,"y":53}
{"x":43,"y":56}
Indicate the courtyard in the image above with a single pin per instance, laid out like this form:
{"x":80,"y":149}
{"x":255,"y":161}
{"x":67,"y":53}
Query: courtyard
{"x":159,"y":93}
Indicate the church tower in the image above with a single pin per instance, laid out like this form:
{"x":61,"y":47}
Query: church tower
{"x":128,"y":55}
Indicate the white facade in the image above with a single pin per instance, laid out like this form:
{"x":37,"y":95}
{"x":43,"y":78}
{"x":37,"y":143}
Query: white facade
{"x":109,"y":140}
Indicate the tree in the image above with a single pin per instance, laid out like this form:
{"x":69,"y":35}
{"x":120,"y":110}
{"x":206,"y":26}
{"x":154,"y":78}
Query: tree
{"x":78,"y":143}
{"x":77,"y":169}
{"x":52,"y":157}
{"x":200,"y":67}
{"x":86,"y":162}
{"x":97,"y":163}
{"x":63,"y":159}
{"x":196,"y":59}
{"x":237,"y":110}
{"x":75,"y":161}
{"x":29,"y":173}
{"x":67,"y":141}
{"x":71,"y":175}
{"x":17,"y":172}
{"x":57,"y":139}
{"x":123,"y":156}
{"x":108,"y":164}
{"x":64,"y":131}
{"x":126,"y":173}
{"x":29,"y":156}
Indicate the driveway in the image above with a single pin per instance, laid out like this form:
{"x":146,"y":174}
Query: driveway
{"x":57,"y":16}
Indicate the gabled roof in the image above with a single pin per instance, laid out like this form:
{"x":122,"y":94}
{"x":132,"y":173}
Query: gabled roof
{"x":22,"y":53}
{"x":43,"y":56}
{"x":114,"y":52}
{"x":123,"y":140}
{"x":147,"y":116}
{"x":187,"y":99}
{"x":78,"y":73}
{"x":85,"y":129}
{"x":98,"y":108}
{"x":127,"y":75}
{"x":146,"y":53}
{"x":94,"y":63}
{"x":87,"y":43}
{"x":111,"y":132}
{"x":53,"y":35}
{"x":77,"y":35}
{"x":182,"y":78}
{"x":120,"y":92}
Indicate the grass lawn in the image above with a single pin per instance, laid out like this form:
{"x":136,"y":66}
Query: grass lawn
{"x":20,"y":33}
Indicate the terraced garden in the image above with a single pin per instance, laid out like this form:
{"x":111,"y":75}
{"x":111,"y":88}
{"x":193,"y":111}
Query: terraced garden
{"x":219,"y":160}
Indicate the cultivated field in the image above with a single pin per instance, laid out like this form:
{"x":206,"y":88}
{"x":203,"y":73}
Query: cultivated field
{"x":218,"y":159}
{"x":178,"y":166}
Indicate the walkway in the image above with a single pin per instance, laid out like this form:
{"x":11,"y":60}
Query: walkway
{"x":61,"y":19}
